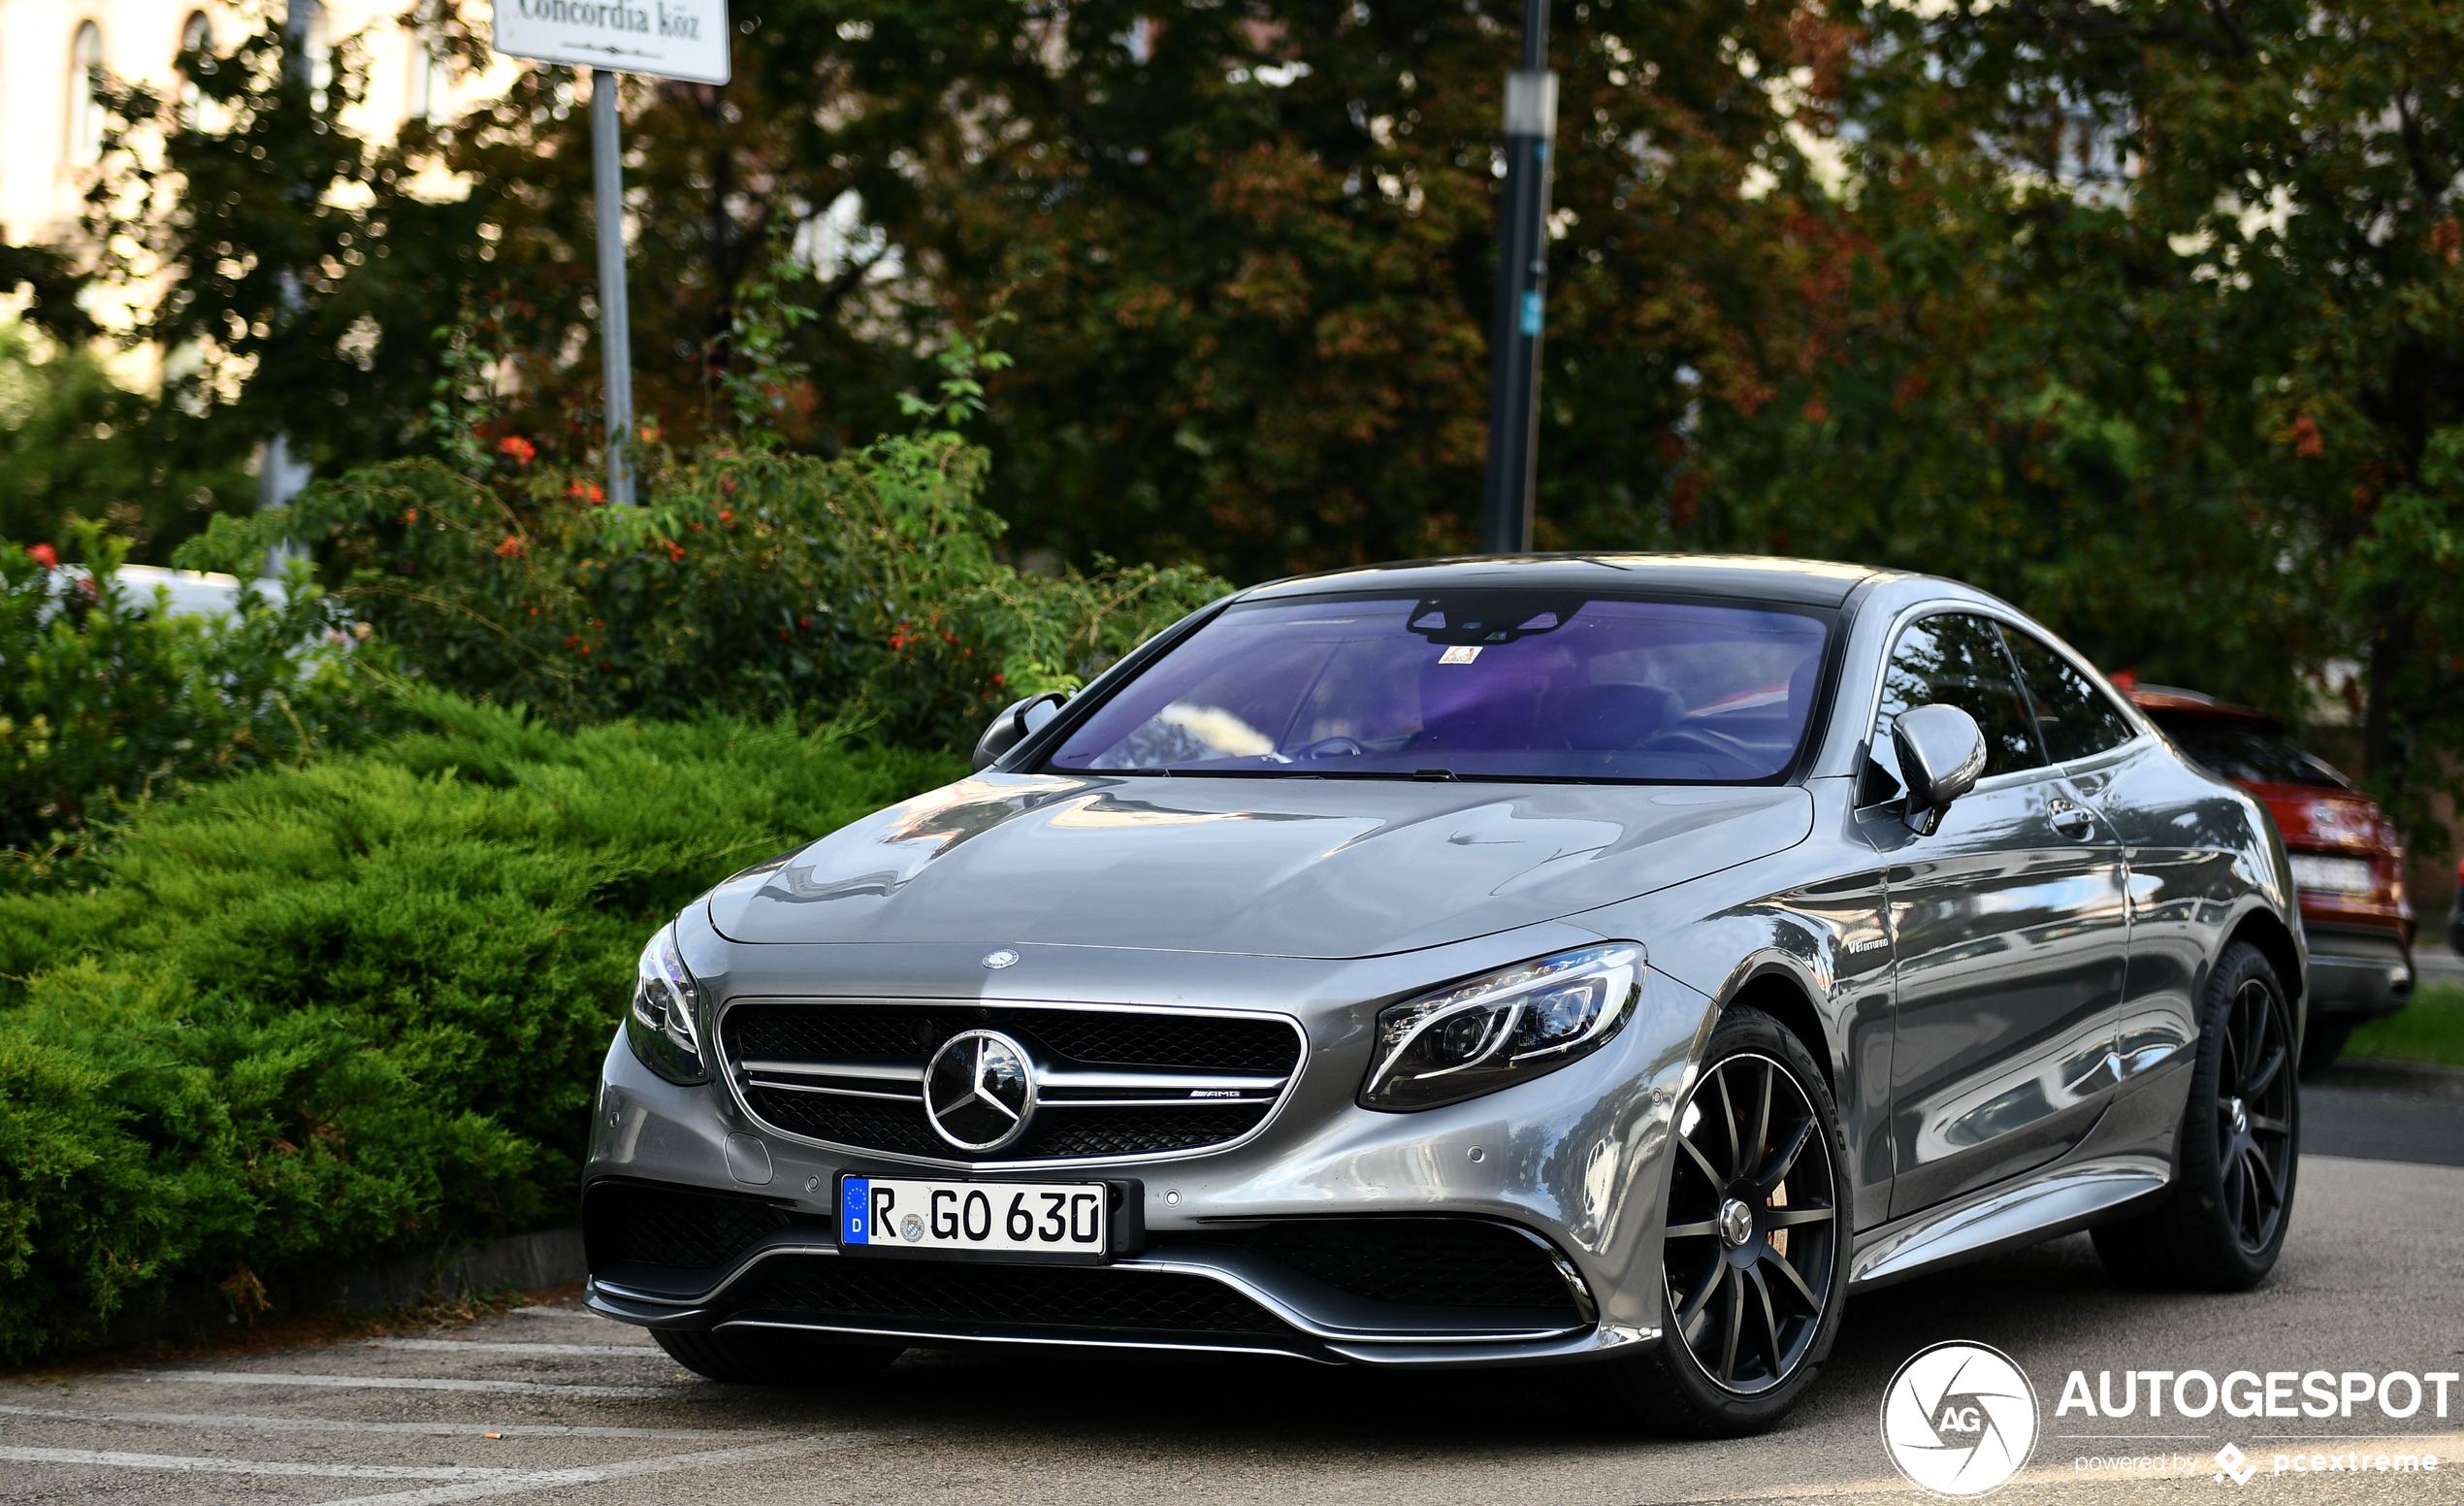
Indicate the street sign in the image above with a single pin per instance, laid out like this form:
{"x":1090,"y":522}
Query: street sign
{"x":670,"y":38}
{"x":667,"y":39}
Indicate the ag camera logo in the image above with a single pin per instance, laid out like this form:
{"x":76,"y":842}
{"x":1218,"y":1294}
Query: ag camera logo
{"x":1959,"y":1420}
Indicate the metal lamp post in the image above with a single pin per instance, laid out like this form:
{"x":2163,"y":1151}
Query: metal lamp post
{"x":1522,"y":276}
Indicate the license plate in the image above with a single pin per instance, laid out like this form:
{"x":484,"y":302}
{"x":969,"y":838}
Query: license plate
{"x":1048,"y":1221}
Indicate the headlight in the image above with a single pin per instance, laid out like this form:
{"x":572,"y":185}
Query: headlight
{"x":664,"y":1025}
{"x":1517,"y":1023}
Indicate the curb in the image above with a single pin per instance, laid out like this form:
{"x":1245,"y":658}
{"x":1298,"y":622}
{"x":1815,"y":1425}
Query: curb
{"x":546,"y":1257}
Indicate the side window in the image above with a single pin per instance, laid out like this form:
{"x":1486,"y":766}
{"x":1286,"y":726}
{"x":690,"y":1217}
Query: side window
{"x":2075,"y":719}
{"x":1953,"y":660}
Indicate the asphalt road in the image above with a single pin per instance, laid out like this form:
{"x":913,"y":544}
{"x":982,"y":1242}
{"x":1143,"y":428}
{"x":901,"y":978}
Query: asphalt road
{"x":547,"y":1404}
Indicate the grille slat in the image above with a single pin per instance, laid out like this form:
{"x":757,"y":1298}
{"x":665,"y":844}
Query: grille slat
{"x":883,"y":1035}
{"x":1032,"y":1297}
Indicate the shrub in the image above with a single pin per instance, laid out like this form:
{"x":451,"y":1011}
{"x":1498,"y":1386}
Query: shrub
{"x":864,"y":589}
{"x":105,"y":698}
{"x":317,"y":1013}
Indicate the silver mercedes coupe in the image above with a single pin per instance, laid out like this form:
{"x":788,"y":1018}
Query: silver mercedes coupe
{"x":1488,"y":962}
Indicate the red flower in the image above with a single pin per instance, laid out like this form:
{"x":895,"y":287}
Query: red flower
{"x":410,"y":517}
{"x":592,"y":491}
{"x":675,"y":554}
{"x":803,"y":622}
{"x":520,"y":448}
{"x":44,"y":554}
{"x":513,"y":544}
{"x":726,"y":514}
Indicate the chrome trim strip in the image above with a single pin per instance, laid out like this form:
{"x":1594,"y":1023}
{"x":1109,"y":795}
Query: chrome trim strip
{"x":1107,"y":1081}
{"x":816,"y":1066}
{"x":1314,"y":1329}
{"x":734,"y":1078}
{"x":1274,"y":1305}
{"x":734,"y":1273}
{"x":2038,"y":1208}
{"x":836,"y":1093}
{"x":970,"y":1336}
{"x":1151,"y":1102}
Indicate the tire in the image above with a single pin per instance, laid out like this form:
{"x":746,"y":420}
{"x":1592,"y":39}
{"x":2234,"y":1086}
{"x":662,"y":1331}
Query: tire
{"x":761,"y":1357}
{"x":2224,"y":1223}
{"x":2323,"y":1042}
{"x":1746,"y":1322}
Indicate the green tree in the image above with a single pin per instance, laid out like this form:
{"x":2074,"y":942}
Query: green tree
{"x":74,"y":445}
{"x":1248,"y":251}
{"x":2155,"y":322}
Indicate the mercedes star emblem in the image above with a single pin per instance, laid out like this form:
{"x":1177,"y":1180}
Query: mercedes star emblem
{"x":996,"y":961}
{"x":979,"y":1091}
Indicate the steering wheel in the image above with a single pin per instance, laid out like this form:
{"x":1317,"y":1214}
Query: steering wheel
{"x":1333,"y":747}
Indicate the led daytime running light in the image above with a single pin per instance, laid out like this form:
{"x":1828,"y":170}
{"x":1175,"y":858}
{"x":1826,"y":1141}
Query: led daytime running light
{"x":1511,"y":1025}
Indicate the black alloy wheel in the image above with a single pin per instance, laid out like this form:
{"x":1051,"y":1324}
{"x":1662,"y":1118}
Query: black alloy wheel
{"x":1754,"y":1257}
{"x":2222,"y":1224}
{"x":2255,"y":1117}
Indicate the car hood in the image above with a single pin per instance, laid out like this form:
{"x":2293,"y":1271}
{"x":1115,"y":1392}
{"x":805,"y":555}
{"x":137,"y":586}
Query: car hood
{"x":1315,"y":868}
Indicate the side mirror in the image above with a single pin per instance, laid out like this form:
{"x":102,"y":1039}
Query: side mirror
{"x":1011,"y":727}
{"x":1941,"y":751}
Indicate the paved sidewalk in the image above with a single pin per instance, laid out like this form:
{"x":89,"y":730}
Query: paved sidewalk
{"x":548,"y":1404}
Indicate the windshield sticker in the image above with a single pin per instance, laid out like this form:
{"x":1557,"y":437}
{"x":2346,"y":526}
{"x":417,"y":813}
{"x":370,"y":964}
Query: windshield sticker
{"x":1458,"y":655}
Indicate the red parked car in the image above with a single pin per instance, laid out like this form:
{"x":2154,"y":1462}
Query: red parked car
{"x":2347,"y":860}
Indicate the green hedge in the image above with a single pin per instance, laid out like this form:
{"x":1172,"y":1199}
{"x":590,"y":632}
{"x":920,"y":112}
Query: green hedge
{"x":106,"y":700}
{"x":315,"y":1014}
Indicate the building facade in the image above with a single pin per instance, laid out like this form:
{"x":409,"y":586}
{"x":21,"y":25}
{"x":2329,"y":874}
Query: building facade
{"x":53,"y":53}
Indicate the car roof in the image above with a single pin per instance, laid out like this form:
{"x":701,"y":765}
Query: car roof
{"x":1797,"y":582}
{"x":2173,"y":698}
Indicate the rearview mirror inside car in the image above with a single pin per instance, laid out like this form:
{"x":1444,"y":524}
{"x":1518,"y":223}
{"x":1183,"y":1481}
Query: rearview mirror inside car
{"x":1941,"y":752}
{"x":1011,"y":727}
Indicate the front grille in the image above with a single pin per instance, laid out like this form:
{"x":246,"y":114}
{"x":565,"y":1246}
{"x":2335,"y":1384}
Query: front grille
{"x":1435,"y":1262}
{"x":1141,"y":1132}
{"x":650,"y":1224}
{"x":865,"y":1122}
{"x":944,"y":1293}
{"x":1107,"y":1039}
{"x":1115,"y":1083}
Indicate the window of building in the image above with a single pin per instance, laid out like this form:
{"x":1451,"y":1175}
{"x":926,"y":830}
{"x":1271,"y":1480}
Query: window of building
{"x":86,"y":96}
{"x":196,"y":39}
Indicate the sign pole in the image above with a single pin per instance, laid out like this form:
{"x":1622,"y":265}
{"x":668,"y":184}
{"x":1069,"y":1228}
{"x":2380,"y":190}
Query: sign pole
{"x":672,"y":39}
{"x":615,"y":324}
{"x":1522,"y":273}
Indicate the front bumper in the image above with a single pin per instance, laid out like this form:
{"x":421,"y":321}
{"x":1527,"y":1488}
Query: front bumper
{"x":1572,"y":1160}
{"x":2357,"y":972}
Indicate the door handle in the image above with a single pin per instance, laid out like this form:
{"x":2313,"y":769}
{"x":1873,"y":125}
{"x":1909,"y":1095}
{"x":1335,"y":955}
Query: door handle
{"x":2070,"y":820}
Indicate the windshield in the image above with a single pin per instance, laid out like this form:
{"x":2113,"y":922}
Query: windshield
{"x":2245,"y":752}
{"x":1485,"y":684}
